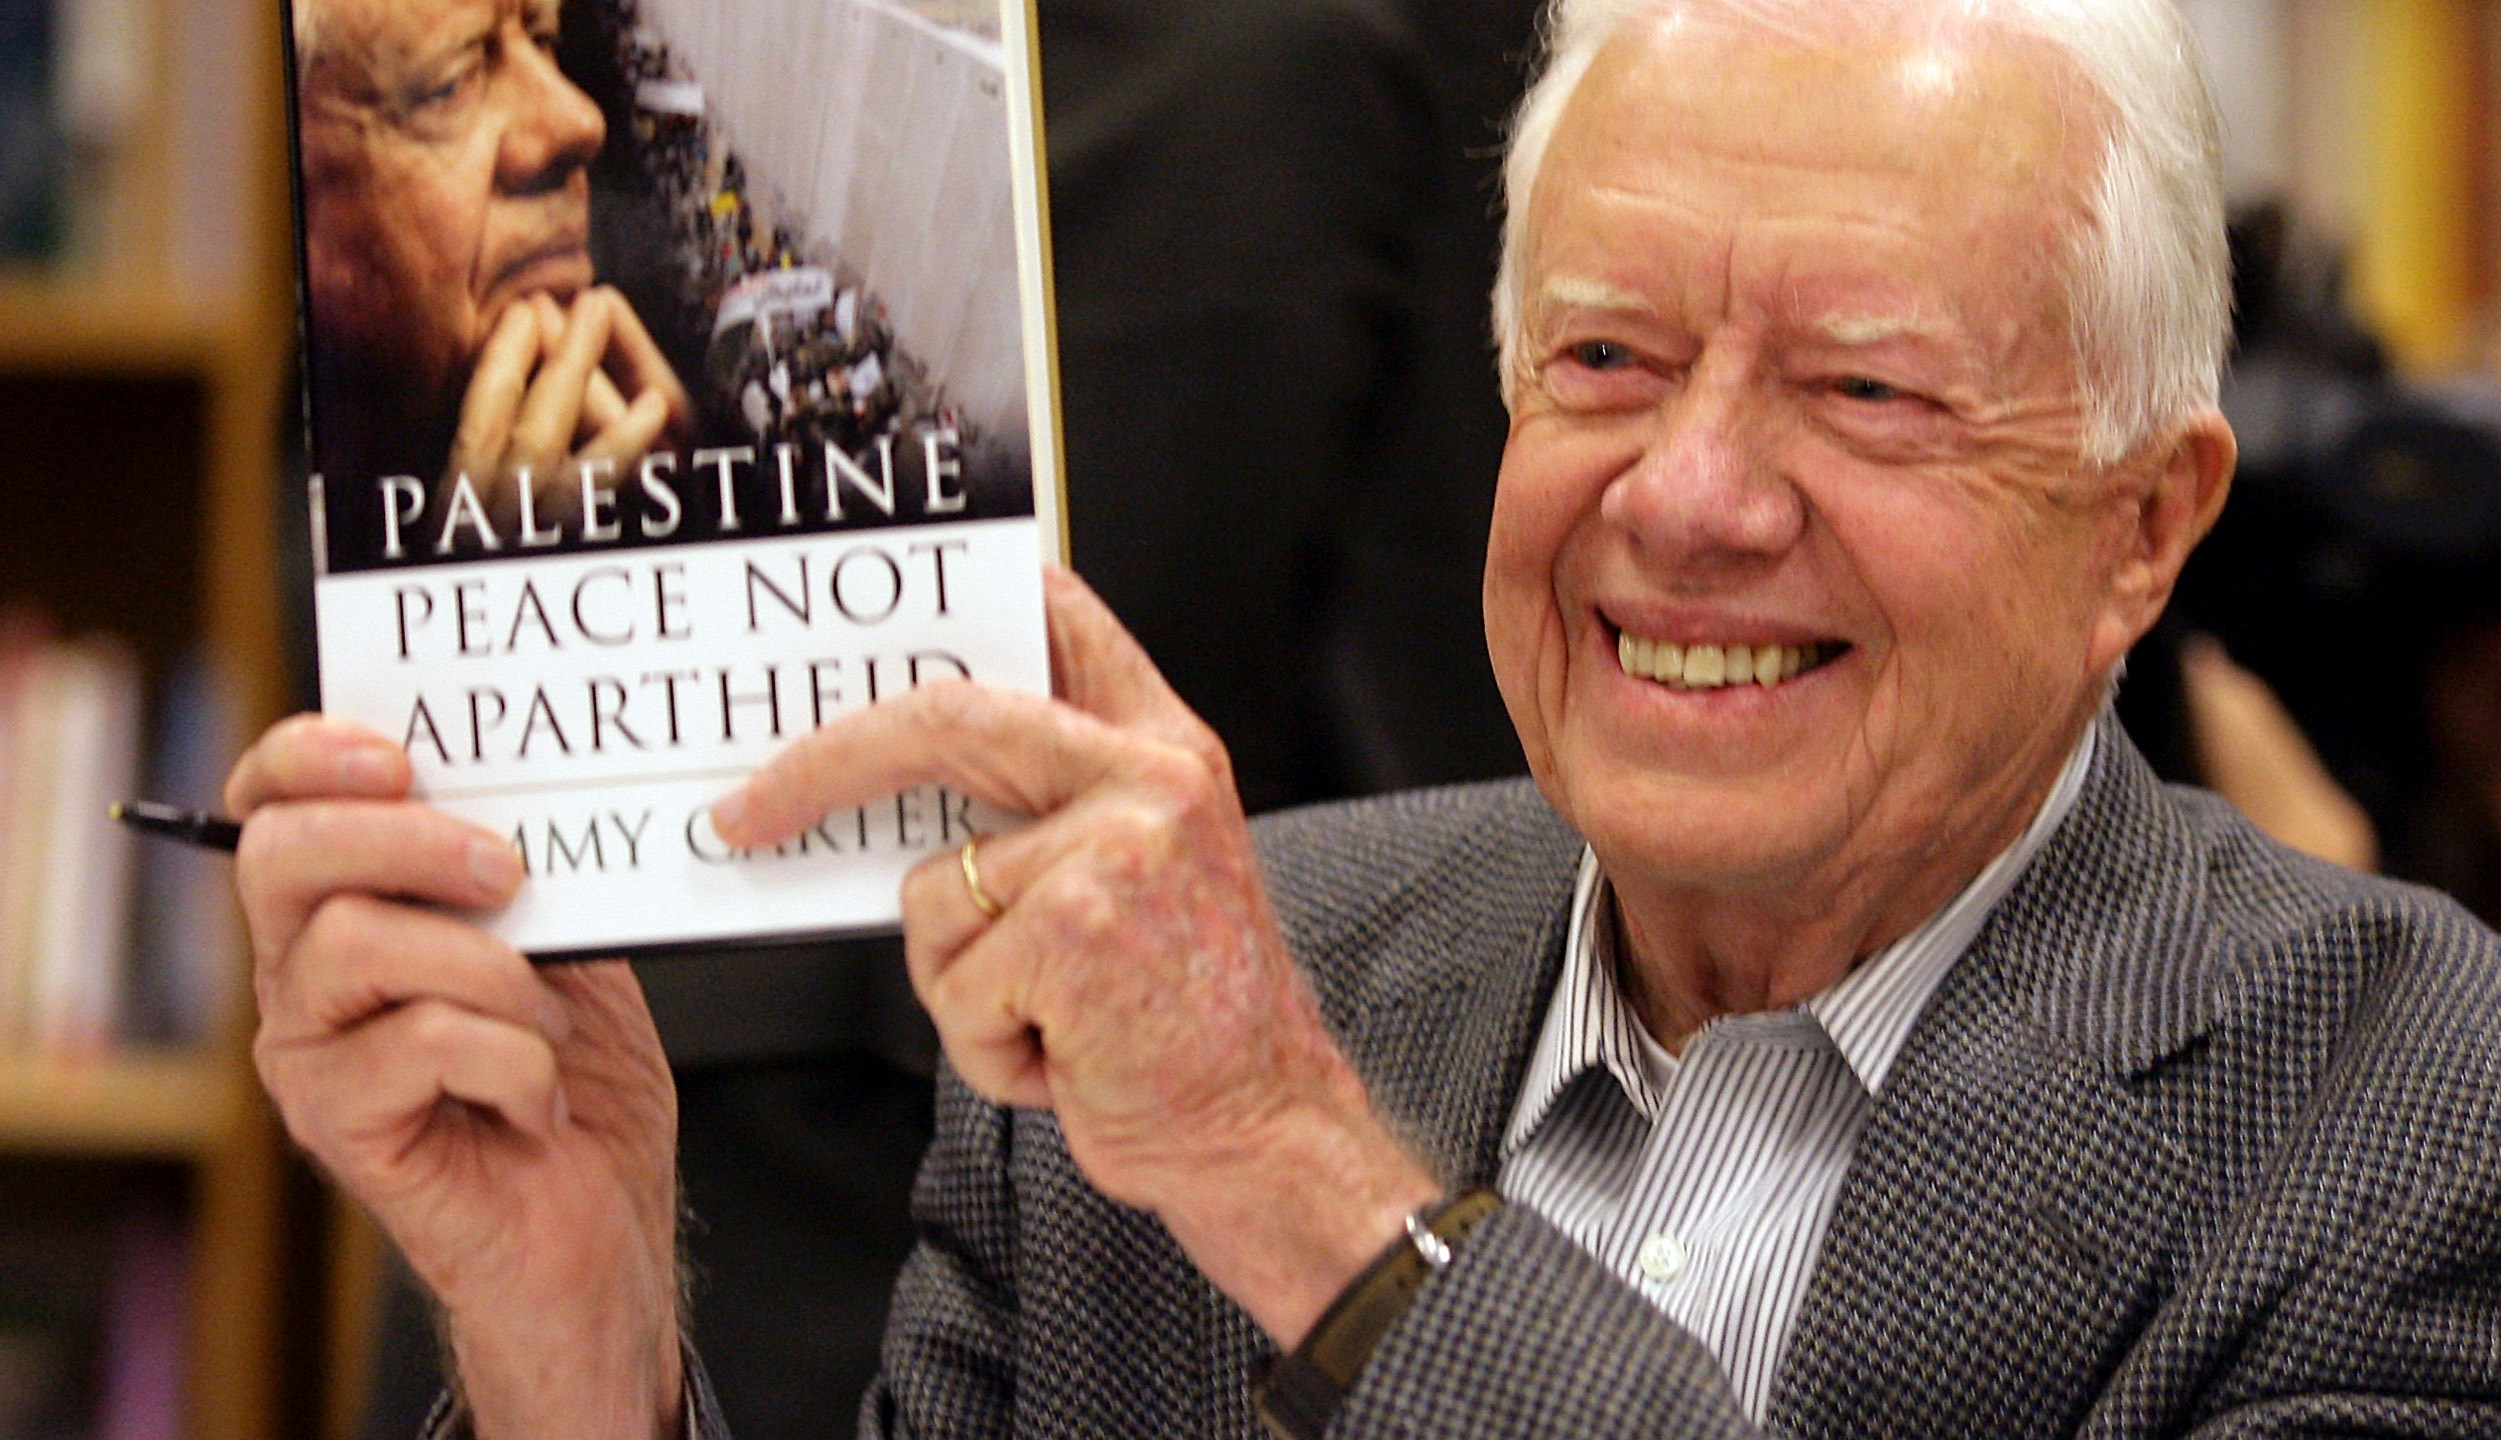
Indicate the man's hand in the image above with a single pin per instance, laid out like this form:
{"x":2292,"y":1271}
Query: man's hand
{"x":513,"y":1129}
{"x":1135,"y":983}
{"x":551,"y":389}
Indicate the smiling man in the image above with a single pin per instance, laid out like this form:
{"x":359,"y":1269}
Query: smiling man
{"x":1845,"y":1035}
{"x":455,"y":327}
{"x":1791,"y":376}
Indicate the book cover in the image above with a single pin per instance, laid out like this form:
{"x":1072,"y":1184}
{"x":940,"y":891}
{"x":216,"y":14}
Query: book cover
{"x":678,"y":378}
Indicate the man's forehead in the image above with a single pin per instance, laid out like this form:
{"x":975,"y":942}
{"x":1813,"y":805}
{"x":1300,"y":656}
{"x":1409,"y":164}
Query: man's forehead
{"x":1980,"y":88}
{"x":390,"y":31}
{"x":1912,"y":194}
{"x":1919,"y":135}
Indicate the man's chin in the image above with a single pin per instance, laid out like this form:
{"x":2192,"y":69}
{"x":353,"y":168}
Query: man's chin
{"x":1716,"y":834}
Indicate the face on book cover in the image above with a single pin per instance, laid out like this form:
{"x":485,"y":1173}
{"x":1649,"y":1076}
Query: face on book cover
{"x":1797,"y":381}
{"x":445,"y":175}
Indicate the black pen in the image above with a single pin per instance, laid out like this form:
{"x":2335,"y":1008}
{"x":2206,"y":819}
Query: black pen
{"x":191,"y":827}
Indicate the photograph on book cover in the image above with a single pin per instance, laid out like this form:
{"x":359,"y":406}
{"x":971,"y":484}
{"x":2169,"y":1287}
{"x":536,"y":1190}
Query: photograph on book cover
{"x":677,"y":378}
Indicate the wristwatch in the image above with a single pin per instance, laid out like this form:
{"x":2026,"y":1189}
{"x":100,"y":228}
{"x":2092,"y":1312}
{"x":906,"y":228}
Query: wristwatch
{"x":1299,"y":1392}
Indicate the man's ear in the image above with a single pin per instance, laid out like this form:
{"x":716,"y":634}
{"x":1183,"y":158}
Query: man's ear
{"x":2167,"y":511}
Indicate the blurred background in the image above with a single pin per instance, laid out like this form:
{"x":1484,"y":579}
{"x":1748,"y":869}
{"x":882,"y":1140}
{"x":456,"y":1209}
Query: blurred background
{"x":168,"y":1269}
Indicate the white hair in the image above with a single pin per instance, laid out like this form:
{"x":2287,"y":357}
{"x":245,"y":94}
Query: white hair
{"x":2147,"y":274}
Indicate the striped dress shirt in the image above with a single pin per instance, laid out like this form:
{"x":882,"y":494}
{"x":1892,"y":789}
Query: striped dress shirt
{"x":1706,"y":1180}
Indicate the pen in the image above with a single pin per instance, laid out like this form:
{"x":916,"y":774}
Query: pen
{"x":191,"y":827}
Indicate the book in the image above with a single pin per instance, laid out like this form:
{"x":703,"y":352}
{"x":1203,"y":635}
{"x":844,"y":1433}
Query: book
{"x":31,"y":181}
{"x":70,"y":742}
{"x":95,"y":1306}
{"x":26,"y":734}
{"x":56,"y":1265}
{"x":678,"y":379}
{"x":188,"y":944}
{"x":99,"y":948}
{"x":145,"y":1325}
{"x":78,"y":950}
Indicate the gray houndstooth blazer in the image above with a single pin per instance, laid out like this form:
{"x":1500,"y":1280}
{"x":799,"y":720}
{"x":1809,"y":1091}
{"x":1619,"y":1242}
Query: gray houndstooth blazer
{"x":2200,"y":1138}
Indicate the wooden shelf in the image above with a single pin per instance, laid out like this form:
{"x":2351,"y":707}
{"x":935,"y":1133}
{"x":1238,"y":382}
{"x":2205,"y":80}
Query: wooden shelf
{"x":154,"y":361}
{"x":98,"y":324}
{"x":135,"y":1106}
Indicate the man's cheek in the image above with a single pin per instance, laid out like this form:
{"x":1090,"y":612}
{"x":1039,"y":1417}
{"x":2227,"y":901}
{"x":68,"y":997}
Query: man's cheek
{"x":1529,"y":523}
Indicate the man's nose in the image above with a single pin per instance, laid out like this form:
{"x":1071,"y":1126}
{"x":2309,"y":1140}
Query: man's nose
{"x":554,"y":129}
{"x":1706,"y":494}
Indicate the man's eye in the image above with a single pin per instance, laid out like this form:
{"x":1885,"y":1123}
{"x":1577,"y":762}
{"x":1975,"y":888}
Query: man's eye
{"x":1600,"y":355}
{"x":435,"y":97}
{"x":1859,"y":387}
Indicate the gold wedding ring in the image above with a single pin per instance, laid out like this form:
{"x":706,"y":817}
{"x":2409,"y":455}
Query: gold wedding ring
{"x":972,"y":881}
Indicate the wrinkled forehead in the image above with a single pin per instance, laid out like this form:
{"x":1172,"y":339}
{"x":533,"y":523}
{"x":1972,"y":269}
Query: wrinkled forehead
{"x":371,"y":37}
{"x":1968,"y":131}
{"x":1883,"y":186}
{"x":1964,"y":83}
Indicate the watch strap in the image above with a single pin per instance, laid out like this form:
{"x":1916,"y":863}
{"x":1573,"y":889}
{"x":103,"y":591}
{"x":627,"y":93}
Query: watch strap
{"x":1299,"y":1392}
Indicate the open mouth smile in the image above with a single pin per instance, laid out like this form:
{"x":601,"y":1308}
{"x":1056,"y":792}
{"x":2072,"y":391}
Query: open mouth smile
{"x":1717,"y":667}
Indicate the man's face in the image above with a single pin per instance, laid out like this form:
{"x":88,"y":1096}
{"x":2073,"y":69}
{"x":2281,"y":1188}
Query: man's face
{"x":1798,"y":376}
{"x":444,"y":177}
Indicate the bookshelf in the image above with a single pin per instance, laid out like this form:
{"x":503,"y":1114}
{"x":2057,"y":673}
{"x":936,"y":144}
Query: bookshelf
{"x":142,"y":372}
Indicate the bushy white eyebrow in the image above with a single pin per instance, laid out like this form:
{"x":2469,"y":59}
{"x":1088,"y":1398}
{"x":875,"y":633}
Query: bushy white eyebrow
{"x":1583,"y":293}
{"x":1873,"y":329}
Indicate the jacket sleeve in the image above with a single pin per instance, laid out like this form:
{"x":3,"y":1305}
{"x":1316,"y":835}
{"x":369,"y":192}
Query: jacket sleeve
{"x":948,"y":1367}
{"x":1526,"y":1334}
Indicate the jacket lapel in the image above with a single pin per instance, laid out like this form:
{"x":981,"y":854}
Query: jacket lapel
{"x":2005,"y":1225}
{"x":1449,"y":1014}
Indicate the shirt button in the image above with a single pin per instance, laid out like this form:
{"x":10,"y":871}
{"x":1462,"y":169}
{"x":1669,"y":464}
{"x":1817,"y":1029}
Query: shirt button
{"x":1662,"y":1257}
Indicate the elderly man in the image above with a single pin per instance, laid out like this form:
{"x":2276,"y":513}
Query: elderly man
{"x":446,"y":239}
{"x":1845,"y":1036}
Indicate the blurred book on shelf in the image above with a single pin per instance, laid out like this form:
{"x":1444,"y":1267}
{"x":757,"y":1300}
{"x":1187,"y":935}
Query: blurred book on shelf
{"x":31,"y":199}
{"x":93,"y":1325}
{"x":188,"y":932}
{"x":119,"y":130}
{"x":140,"y":1370}
{"x":103,"y":945}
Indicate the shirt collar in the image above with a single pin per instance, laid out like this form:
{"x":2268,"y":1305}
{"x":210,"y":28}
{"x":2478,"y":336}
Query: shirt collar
{"x":1867,"y":1015}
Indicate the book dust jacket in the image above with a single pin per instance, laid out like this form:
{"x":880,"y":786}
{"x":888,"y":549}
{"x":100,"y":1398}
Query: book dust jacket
{"x":678,"y":378}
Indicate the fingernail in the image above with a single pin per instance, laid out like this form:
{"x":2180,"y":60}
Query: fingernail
{"x":493,"y":864}
{"x":370,"y":767}
{"x":731,"y":812}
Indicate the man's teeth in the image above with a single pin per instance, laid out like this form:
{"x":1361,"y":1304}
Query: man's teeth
{"x":1712,"y":667}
